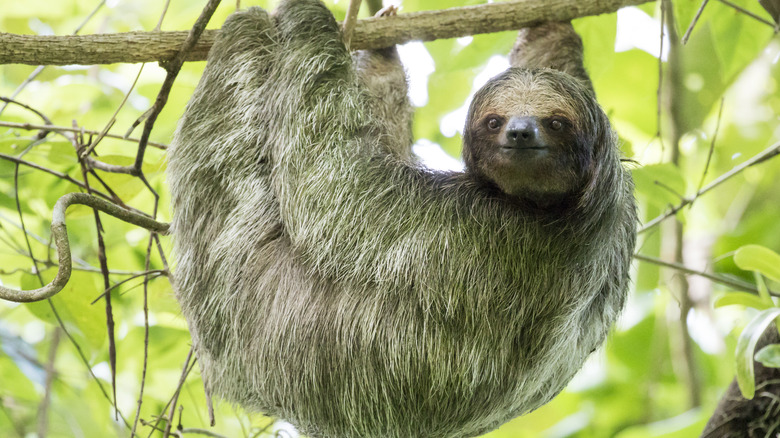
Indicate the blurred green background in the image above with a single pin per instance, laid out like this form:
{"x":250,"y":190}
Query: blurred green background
{"x":643,"y":383}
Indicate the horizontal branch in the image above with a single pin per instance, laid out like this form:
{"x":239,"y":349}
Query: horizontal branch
{"x":369,"y":33}
{"x":726,"y":281}
{"x":37,"y":127}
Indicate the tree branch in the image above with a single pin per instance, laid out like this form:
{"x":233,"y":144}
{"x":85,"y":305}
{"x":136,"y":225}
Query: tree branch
{"x":726,"y":281}
{"x":766,"y":154}
{"x":59,"y":234}
{"x":369,"y":33}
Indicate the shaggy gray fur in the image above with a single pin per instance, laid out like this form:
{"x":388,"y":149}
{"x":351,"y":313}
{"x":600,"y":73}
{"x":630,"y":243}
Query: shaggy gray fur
{"x":331,"y":282}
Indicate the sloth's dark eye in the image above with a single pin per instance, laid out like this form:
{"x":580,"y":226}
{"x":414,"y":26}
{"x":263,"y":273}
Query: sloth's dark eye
{"x":494,"y":124}
{"x":556,"y":125}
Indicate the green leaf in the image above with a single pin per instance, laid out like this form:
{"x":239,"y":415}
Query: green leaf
{"x":598,"y":35}
{"x":759,"y":258}
{"x":769,"y":356}
{"x":741,"y":298}
{"x":73,"y":306}
{"x":745,"y":348}
{"x":661,"y":184}
{"x":629,"y":77}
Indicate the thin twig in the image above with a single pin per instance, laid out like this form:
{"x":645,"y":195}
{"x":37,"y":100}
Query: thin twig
{"x":173,"y":67}
{"x":102,"y":259}
{"x":146,"y":336}
{"x":162,"y":16}
{"x":682,"y":344}
{"x":668,"y":188}
{"x":64,"y":177}
{"x":764,"y":155}
{"x":84,"y":359}
{"x":35,"y":127}
{"x":151,"y":274}
{"x":659,"y":90}
{"x":40,"y":68}
{"x":733,"y":283}
{"x":748,"y":13}
{"x":712,"y":147}
{"x":693,"y":22}
{"x":23,"y":227}
{"x":184,"y":373}
{"x":88,"y":150}
{"x":43,"y":117}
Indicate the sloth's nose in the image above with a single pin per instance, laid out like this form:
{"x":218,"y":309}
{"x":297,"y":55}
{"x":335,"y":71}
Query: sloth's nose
{"x":523,"y":132}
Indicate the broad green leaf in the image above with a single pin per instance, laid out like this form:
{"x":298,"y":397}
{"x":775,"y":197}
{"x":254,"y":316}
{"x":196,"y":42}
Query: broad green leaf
{"x":125,"y":186}
{"x":477,"y":53}
{"x":13,"y":381}
{"x":630,"y":75}
{"x":743,"y":299}
{"x":598,"y":38}
{"x":759,"y":258}
{"x":684,"y":11}
{"x":60,"y":152}
{"x":73,"y":306}
{"x":685,"y":425}
{"x":769,"y":356}
{"x":763,"y":291}
{"x":747,"y":38}
{"x":746,"y":347}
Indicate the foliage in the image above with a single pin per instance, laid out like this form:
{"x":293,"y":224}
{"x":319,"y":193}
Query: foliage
{"x":634,"y":387}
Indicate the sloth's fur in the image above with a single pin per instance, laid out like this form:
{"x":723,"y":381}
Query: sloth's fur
{"x":330,"y":281}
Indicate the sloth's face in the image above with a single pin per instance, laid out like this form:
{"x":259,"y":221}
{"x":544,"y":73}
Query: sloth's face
{"x":528,"y":135}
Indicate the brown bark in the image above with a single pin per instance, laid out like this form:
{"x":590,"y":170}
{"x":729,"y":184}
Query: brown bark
{"x":369,"y":33}
{"x":737,"y":417}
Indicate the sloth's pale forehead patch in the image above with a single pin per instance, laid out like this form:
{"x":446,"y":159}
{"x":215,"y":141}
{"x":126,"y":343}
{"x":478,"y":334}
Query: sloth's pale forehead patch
{"x":527,"y":96}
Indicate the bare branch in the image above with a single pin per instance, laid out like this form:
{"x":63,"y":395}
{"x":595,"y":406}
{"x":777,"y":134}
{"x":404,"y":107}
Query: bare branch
{"x":47,"y":128}
{"x":370,"y":33}
{"x":748,"y":13}
{"x":764,"y":155}
{"x":726,"y":281}
{"x":172,"y":67}
{"x":693,"y":22}
{"x":59,"y":235}
{"x":59,"y":175}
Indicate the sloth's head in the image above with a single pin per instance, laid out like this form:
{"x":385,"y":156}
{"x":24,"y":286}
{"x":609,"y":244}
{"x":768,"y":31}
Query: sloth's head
{"x":535,"y":135}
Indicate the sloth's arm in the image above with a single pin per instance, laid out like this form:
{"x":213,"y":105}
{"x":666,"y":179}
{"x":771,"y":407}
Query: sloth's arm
{"x":552,"y":45}
{"x":353,"y":211}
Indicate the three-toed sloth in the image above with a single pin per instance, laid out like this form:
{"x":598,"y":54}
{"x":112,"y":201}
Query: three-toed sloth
{"x":330,"y":280}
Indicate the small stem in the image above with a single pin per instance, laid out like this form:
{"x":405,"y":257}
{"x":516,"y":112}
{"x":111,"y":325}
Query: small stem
{"x":349,"y":22}
{"x":693,"y":22}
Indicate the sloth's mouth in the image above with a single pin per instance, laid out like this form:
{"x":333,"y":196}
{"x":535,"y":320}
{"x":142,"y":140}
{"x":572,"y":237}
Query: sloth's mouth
{"x":523,"y":148}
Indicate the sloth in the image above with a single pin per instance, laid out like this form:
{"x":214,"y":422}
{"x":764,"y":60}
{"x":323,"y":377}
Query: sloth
{"x":330,"y":280}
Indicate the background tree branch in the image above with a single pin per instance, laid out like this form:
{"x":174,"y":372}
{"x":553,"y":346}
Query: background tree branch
{"x":369,"y":33}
